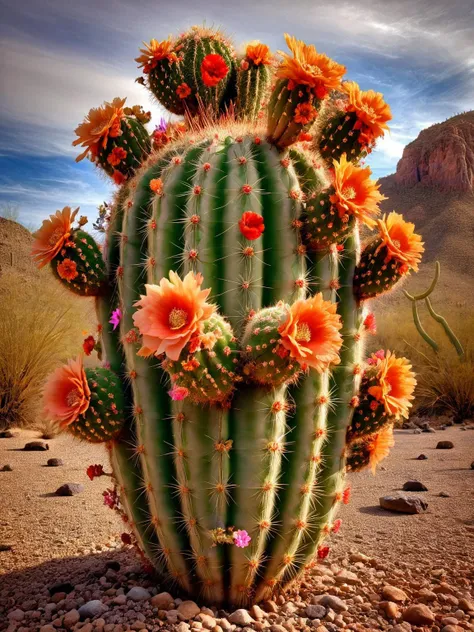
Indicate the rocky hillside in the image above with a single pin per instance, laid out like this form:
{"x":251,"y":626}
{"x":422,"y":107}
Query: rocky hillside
{"x":434,"y":188}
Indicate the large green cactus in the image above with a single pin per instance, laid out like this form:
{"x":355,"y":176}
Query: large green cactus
{"x":239,"y":397}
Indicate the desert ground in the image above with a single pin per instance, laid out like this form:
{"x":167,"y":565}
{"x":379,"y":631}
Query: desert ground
{"x":380,"y":567}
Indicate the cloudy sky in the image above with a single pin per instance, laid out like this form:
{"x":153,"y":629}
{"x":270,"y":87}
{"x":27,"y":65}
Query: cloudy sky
{"x":59,"y":58}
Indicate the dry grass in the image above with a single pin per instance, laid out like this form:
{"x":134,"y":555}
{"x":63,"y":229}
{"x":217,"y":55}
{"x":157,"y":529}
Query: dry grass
{"x":41,"y":324}
{"x":445,"y":383}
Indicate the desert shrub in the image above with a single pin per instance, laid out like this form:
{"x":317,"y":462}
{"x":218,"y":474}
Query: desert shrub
{"x":41,"y":325}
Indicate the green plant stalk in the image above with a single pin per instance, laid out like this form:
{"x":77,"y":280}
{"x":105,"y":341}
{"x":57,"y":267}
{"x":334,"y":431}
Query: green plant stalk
{"x":449,"y":332}
{"x":423,"y":333}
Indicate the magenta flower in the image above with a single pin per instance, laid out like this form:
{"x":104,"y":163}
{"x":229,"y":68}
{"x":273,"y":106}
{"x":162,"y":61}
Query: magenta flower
{"x":178,"y":393}
{"x":116,"y":318}
{"x":378,"y":355}
{"x":241,"y":539}
{"x":110,"y":498}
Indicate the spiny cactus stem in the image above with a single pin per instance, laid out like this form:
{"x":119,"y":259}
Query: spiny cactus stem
{"x":153,"y":438}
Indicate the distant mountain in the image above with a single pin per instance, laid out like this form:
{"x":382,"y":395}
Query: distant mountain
{"x":434,"y":188}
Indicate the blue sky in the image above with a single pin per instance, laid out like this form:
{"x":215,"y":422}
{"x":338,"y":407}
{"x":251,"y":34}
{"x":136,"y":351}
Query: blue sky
{"x":59,"y":58}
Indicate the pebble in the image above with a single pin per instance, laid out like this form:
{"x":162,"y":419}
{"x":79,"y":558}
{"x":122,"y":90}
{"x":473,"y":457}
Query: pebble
{"x":137,"y":593}
{"x":120,"y":600}
{"x":36,"y":446}
{"x":347,"y":577}
{"x":401,"y":503}
{"x":257,"y":613}
{"x":419,"y":614}
{"x":444,"y":445}
{"x":331,"y":601}
{"x":69,"y":489}
{"x":422,"y":457}
{"x":314,"y":611}
{"x":16,"y":615}
{"x":392,"y":593}
{"x":466,"y":605}
{"x":207,"y":620}
{"x":240,"y":617}
{"x":414,"y":486}
{"x":55,"y":462}
{"x":182,"y":627}
{"x":391,"y":610}
{"x":162,"y":600}
{"x":71,"y":618}
{"x":6,"y":468}
{"x":188,"y":610}
{"x":92,"y":609}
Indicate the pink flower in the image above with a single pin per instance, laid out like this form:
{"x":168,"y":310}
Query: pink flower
{"x":375,"y":357}
{"x":241,"y":539}
{"x":110,"y":498}
{"x":370,"y":324}
{"x":116,"y":318}
{"x":178,"y":393}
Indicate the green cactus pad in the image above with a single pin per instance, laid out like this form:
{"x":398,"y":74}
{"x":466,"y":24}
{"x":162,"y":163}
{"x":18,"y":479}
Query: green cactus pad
{"x":125,"y":153}
{"x":105,"y":418}
{"x":369,"y":415}
{"x":265,"y":360}
{"x":377,"y":272}
{"x":80,"y":266}
{"x":341,"y":136}
{"x":323,"y":224}
{"x":209,"y":372}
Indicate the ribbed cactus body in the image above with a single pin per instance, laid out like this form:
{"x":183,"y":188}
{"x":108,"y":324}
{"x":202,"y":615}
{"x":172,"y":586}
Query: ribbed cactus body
{"x":341,"y":136}
{"x":369,"y":414}
{"x":377,"y":271}
{"x":80,"y":266}
{"x":258,"y":462}
{"x":290,"y":113}
{"x":125,"y":153}
{"x":178,"y":83}
{"x":252,"y":86}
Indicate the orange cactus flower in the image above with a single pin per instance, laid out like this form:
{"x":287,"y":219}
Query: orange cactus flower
{"x":213,"y":70}
{"x":154,"y":52}
{"x":100,"y":124}
{"x":396,"y":383}
{"x":52,"y":236}
{"x":305,"y":113}
{"x":355,"y":193}
{"x":183,"y":91}
{"x":67,"y":270}
{"x":311,"y":332}
{"x":156,"y":185}
{"x":379,"y":446}
{"x":171,"y":314}
{"x":370,"y":107}
{"x":401,"y":241}
{"x":66,"y":394}
{"x":258,"y":53}
{"x":116,"y":156}
{"x":309,"y":68}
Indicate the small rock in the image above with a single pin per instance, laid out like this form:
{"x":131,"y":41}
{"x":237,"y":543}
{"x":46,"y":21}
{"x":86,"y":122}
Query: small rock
{"x":403,"y":504}
{"x":36,"y":446}
{"x":69,"y":489}
{"x":257,"y":613}
{"x":54,"y":462}
{"x":113,"y":564}
{"x":119,"y":600}
{"x":452,"y":628}
{"x":172,"y":616}
{"x":138,"y":625}
{"x":162,"y":600}
{"x":331,"y":601}
{"x":391,"y":610}
{"x":71,"y":618}
{"x":421,"y":457}
{"x":7,"y":468}
{"x":6,"y":547}
{"x":466,"y":605}
{"x":346,"y":577}
{"x":61,"y":587}
{"x":392,"y":593}
{"x":182,"y":627}
{"x":8,"y":434}
{"x":444,"y":445}
{"x":16,"y":615}
{"x":207,"y":620}
{"x":240,"y":617}
{"x":401,"y":627}
{"x":92,"y":609}
{"x":427,"y":595}
{"x":47,"y":628}
{"x":414,"y":486}
{"x":472,"y":465}
{"x":444,"y":495}
{"x":315,"y":611}
{"x":419,"y":614}
{"x":137,"y":593}
{"x":188,"y":610}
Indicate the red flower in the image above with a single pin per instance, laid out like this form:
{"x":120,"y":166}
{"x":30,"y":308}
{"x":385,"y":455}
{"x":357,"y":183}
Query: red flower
{"x":323,"y":552}
{"x":346,"y":495}
{"x":118,"y":177}
{"x":67,"y":270}
{"x":213,"y":70}
{"x":183,"y":91}
{"x":336,"y":525}
{"x":116,"y":156}
{"x":126,"y":538}
{"x":369,"y":323}
{"x":251,"y":225}
{"x":110,"y":498}
{"x":93,"y":471}
{"x":88,"y":345}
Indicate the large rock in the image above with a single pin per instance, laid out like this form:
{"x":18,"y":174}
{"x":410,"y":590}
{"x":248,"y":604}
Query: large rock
{"x":419,"y":614}
{"x":36,"y":446}
{"x":403,"y":504}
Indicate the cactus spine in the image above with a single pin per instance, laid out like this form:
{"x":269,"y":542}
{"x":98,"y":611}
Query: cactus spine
{"x":237,"y":335}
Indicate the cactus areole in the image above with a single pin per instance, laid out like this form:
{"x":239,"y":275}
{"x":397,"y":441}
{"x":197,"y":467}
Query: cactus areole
{"x":233,"y":299}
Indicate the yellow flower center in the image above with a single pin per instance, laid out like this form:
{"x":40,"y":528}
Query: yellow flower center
{"x":56,"y":236}
{"x":368,"y":110}
{"x":177,"y":318}
{"x":349,"y":193}
{"x":73,"y":398}
{"x":396,"y":243}
{"x":303,"y":332}
{"x":313,"y":70}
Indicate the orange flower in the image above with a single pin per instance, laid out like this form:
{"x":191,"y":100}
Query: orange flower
{"x":66,"y":393}
{"x":100,"y":124}
{"x":305,"y":113}
{"x":52,"y":235}
{"x":355,"y":193}
{"x":309,"y":68}
{"x":396,"y":383}
{"x":154,"y":52}
{"x":379,"y":446}
{"x":156,"y":185}
{"x":183,"y":91}
{"x":371,"y":109}
{"x":258,"y":53}
{"x":311,"y":332}
{"x":116,"y":156}
{"x":401,"y":241}
{"x":67,"y":270}
{"x":171,"y":313}
{"x":213,"y":70}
